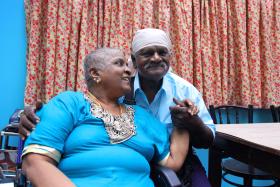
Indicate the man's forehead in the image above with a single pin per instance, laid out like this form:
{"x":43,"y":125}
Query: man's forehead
{"x":153,"y":47}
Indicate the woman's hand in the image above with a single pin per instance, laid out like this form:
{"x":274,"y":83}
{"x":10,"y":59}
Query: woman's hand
{"x":183,"y":113}
{"x":184,"y":116}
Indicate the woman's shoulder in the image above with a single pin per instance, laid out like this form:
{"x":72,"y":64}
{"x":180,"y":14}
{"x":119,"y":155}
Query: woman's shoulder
{"x":69,"y":98}
{"x":69,"y":94}
{"x":68,"y":102}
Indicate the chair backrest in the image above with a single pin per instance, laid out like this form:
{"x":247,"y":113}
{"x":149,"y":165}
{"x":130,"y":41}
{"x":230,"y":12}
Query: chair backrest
{"x":226,"y":114}
{"x":11,"y":162}
{"x":275,"y":112}
{"x":164,"y":177}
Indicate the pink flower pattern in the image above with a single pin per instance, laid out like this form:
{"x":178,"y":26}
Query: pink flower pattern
{"x":230,"y":50}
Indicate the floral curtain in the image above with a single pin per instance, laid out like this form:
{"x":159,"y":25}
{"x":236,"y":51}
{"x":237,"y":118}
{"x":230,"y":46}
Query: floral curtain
{"x":230,"y":50}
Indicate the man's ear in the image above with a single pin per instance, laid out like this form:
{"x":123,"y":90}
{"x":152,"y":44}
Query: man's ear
{"x":133,"y":61}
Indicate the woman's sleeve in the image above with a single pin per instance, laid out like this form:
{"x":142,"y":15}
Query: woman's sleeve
{"x":57,"y":119}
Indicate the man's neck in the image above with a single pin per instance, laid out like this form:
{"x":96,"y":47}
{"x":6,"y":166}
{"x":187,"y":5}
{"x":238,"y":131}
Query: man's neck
{"x":150,"y":87}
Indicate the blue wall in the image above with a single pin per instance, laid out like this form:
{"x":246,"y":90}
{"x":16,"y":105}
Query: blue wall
{"x":12,"y":57}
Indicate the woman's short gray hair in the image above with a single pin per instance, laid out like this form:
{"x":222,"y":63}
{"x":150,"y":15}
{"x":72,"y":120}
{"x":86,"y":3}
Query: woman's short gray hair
{"x":97,"y":60}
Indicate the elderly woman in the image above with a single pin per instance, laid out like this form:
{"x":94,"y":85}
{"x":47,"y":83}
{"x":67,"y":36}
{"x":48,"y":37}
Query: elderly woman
{"x":90,"y":139}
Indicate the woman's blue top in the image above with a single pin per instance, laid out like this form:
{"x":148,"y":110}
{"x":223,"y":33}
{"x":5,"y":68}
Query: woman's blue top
{"x":87,"y":156}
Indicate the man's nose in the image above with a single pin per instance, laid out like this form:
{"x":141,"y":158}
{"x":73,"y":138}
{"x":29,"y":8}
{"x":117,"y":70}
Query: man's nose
{"x":156,"y":57}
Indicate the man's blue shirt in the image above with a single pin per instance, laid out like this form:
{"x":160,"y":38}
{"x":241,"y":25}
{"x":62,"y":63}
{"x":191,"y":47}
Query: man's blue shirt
{"x":173,"y":86}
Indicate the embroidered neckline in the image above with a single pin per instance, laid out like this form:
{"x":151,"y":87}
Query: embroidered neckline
{"x":118,"y":127}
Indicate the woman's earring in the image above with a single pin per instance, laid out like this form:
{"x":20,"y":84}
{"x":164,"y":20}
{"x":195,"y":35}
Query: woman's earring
{"x":98,"y":80}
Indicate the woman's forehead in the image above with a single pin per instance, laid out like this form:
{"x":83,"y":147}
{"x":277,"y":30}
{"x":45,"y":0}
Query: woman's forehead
{"x":116,"y":55}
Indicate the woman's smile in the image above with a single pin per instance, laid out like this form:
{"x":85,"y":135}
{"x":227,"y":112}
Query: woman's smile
{"x":126,"y":80}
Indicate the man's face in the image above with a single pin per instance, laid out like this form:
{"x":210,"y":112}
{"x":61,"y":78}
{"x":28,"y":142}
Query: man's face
{"x":153,"y":62}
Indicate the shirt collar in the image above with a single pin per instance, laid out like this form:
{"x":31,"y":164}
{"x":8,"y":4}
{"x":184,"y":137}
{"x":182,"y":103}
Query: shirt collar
{"x":136,"y":83}
{"x":166,"y":85}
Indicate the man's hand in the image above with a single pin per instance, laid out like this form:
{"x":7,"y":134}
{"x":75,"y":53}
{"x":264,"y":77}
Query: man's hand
{"x":183,"y":112}
{"x":28,"y":120}
{"x":184,"y":115}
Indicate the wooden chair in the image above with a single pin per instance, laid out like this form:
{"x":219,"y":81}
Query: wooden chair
{"x":229,"y":114}
{"x":275,"y":112}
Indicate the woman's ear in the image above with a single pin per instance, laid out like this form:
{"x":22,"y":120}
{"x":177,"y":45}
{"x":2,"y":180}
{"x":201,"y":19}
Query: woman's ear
{"x":95,"y":74}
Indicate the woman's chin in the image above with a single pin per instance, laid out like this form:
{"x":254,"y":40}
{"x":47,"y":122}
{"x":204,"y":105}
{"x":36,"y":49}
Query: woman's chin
{"x":127,"y":90}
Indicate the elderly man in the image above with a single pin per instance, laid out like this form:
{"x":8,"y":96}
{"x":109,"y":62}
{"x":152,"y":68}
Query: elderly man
{"x":157,"y":90}
{"x":171,"y":99}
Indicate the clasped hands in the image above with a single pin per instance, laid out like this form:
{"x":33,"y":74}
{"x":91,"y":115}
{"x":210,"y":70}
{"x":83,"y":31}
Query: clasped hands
{"x":184,"y":113}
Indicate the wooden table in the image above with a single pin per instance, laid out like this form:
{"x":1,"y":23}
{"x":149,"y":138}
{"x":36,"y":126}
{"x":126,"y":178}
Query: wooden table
{"x":256,"y":144}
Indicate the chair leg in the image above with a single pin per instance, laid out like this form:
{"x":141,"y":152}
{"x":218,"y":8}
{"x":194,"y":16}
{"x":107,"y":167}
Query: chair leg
{"x":248,"y":182}
{"x":277,"y":181}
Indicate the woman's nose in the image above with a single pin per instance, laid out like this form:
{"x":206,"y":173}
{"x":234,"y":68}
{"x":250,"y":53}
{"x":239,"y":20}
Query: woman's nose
{"x":127,"y":70}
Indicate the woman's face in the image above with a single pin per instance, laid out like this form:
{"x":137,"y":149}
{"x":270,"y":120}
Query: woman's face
{"x":115,"y":77}
{"x":153,"y":62}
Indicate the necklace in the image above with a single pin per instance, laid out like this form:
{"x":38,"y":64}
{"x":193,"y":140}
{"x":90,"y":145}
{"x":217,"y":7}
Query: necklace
{"x":118,"y":127}
{"x":99,"y":103}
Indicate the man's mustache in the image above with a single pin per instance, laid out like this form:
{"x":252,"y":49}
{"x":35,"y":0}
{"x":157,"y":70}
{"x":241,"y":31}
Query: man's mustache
{"x":156,"y":64}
